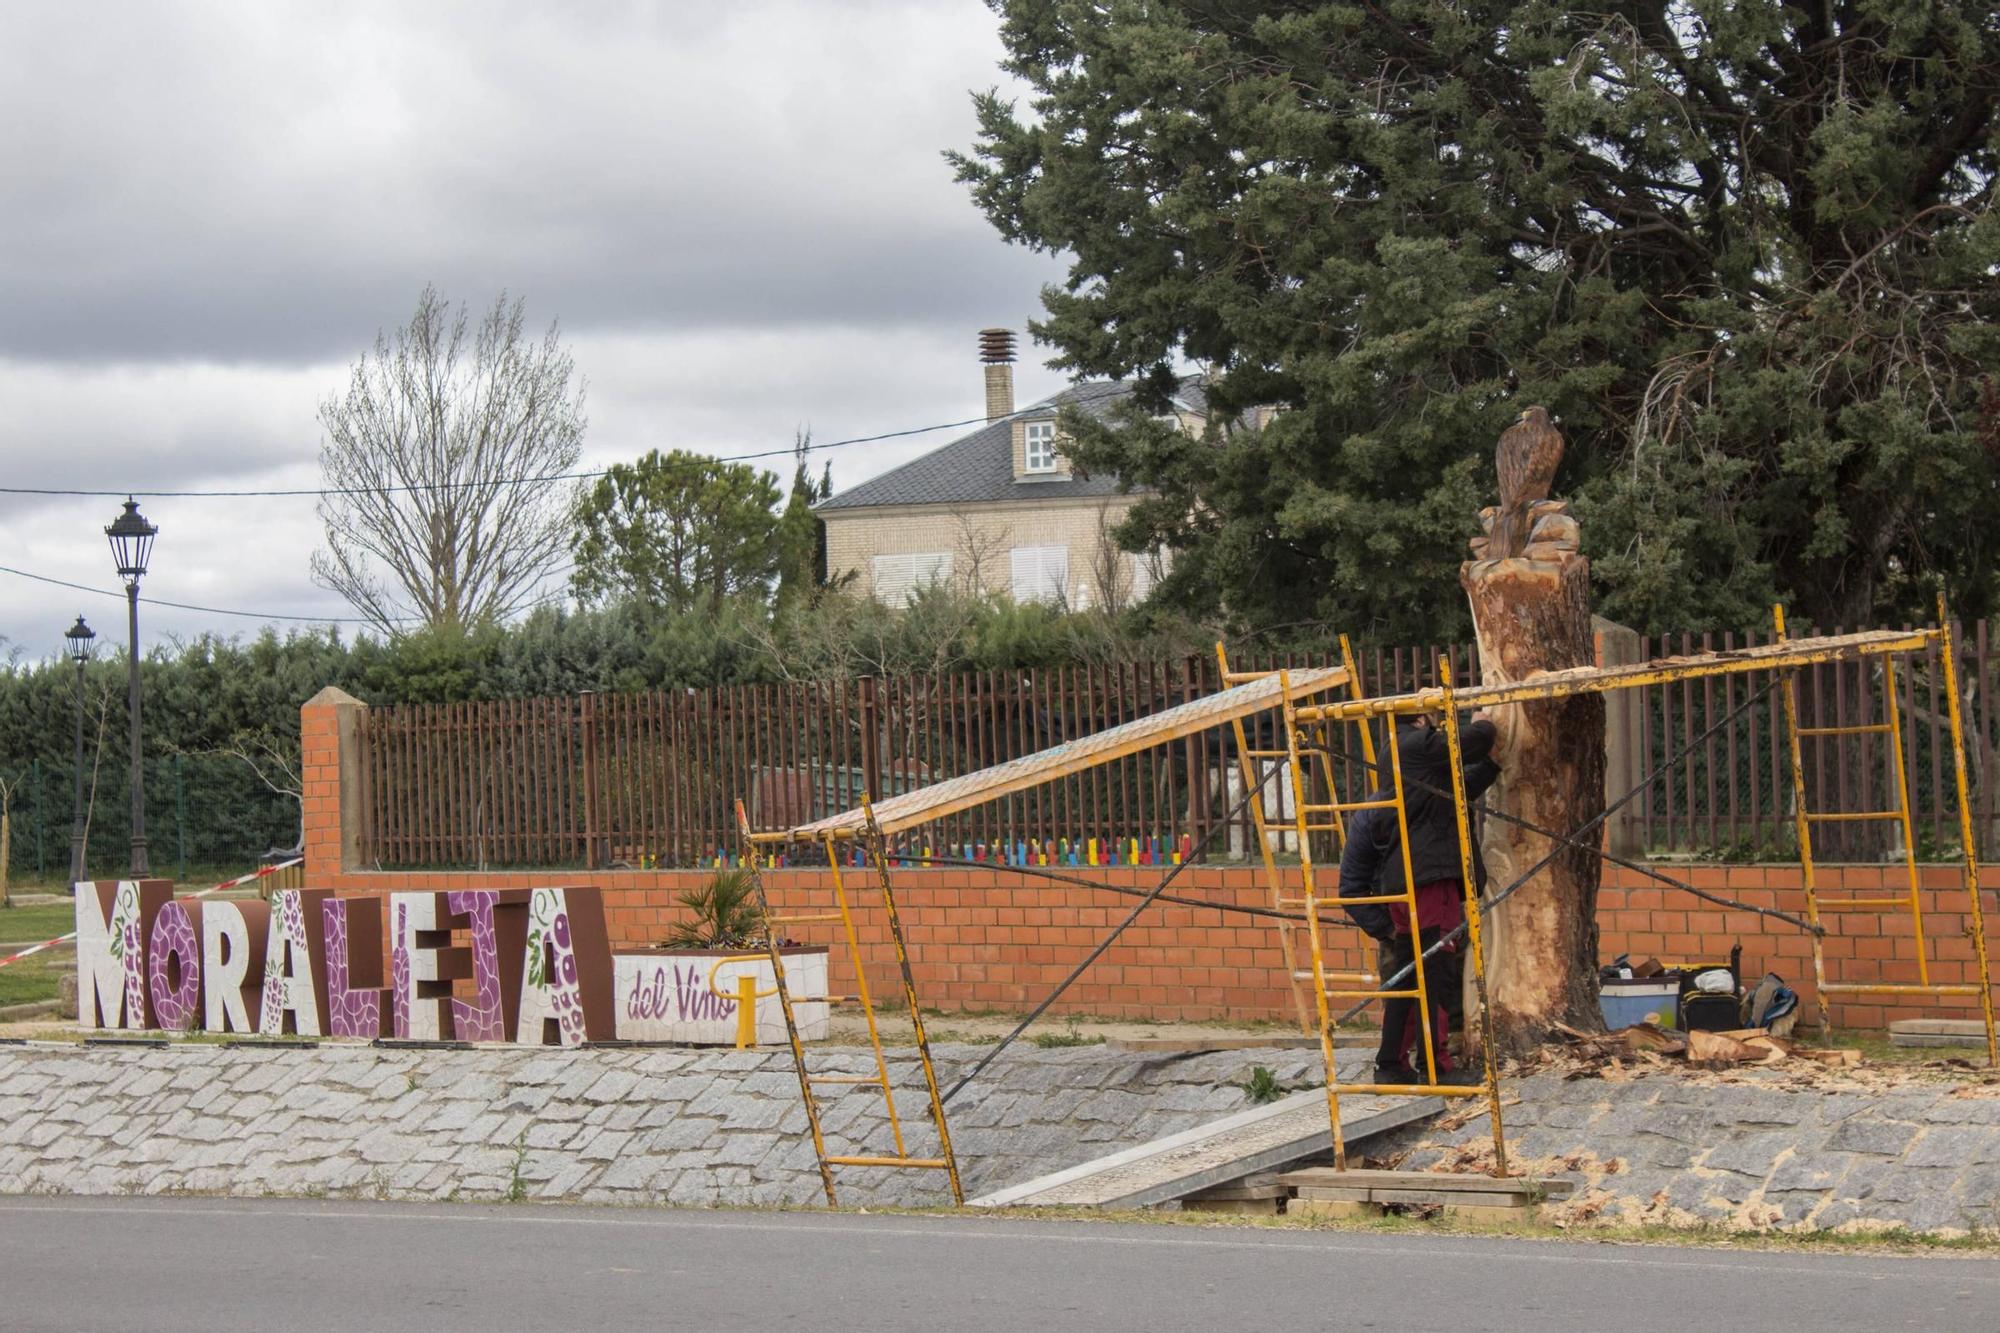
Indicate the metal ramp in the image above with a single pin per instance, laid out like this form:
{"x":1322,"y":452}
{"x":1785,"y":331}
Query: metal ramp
{"x":1262,"y":1138}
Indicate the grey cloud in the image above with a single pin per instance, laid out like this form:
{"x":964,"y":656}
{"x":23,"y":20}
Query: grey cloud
{"x":738,"y":212}
{"x":279,"y":188}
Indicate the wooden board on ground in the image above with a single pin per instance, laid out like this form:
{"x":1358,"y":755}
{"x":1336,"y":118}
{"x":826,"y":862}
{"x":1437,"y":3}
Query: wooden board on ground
{"x":1257,"y":1195}
{"x":1262,"y":1185}
{"x":1198,"y":1045}
{"x":1327,"y":1185}
{"x":1937,"y":1032}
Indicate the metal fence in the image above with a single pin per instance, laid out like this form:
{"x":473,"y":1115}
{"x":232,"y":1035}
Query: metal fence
{"x":1732,"y":797}
{"x":650,"y":779}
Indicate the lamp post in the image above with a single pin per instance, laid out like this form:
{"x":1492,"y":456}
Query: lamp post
{"x":78,"y":639}
{"x":131,"y":546}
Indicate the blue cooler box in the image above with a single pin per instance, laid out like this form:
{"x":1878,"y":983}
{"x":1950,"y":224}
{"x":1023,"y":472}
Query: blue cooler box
{"x":1629,"y":1002}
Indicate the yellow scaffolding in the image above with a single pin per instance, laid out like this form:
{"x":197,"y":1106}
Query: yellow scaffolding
{"x":1306,"y":728}
{"x":1785,"y":657}
{"x":869,"y":826}
{"x":902,"y":1159}
{"x":1805,"y":818}
{"x":1311,"y":817}
{"x":1247,"y":761}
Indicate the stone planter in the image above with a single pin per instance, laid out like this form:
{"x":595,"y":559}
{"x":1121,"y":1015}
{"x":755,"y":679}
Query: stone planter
{"x":664,"y":995}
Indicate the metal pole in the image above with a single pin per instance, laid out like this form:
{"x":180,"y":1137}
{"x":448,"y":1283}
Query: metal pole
{"x":1969,"y":845}
{"x":181,"y":814}
{"x":1469,"y":882}
{"x":41,"y":823}
{"x":589,"y":723}
{"x":140,"y":870}
{"x":76,"y":856}
{"x":1802,"y":821}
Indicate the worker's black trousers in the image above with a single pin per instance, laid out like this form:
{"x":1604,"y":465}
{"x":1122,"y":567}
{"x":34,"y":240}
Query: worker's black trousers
{"x":1444,"y":981}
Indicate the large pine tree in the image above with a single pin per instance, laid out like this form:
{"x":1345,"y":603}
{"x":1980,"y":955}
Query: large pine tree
{"x":1743,"y":248}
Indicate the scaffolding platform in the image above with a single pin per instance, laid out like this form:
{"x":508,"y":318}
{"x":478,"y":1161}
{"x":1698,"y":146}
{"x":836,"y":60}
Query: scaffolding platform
{"x":1263,"y":1138}
{"x":1784,"y":655}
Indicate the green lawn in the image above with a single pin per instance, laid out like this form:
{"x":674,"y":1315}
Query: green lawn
{"x":32,"y":925}
{"x":198,"y":876}
{"x":34,"y":978}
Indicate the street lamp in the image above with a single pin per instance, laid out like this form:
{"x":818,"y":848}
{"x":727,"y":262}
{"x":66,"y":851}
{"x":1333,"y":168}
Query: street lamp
{"x":78,"y":637}
{"x":131,"y":546}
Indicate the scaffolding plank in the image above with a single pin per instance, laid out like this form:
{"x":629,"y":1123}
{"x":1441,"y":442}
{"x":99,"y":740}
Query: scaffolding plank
{"x":961,"y":793}
{"x":1602,"y":680}
{"x":1263,"y":1138}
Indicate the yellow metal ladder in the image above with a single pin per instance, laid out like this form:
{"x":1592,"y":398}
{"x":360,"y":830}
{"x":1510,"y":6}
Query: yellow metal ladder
{"x":1247,"y":761}
{"x":877,"y":854}
{"x":1306,"y":823}
{"x":1805,"y":818}
{"x":1253,"y":785}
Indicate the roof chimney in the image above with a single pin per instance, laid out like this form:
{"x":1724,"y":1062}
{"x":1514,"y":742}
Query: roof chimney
{"x":996,"y":353}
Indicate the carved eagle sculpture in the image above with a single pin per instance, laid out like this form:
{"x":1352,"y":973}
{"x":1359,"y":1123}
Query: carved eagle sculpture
{"x":1529,"y":451}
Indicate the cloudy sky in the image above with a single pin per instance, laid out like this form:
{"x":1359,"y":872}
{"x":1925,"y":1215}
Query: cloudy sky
{"x":738,"y":212}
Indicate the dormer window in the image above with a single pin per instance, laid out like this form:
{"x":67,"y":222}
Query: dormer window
{"x":1039,"y":447}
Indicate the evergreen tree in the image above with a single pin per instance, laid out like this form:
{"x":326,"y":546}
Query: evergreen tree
{"x":1745,"y":250}
{"x":801,"y":534}
{"x":678,"y":530}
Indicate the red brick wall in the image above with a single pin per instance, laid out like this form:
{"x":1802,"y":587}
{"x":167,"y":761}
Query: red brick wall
{"x":987,"y":939}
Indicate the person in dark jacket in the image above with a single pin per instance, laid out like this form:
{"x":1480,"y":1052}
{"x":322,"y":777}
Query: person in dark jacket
{"x":1372,"y":866}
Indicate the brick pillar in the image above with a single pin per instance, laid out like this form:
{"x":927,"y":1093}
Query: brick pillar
{"x":330,"y":766}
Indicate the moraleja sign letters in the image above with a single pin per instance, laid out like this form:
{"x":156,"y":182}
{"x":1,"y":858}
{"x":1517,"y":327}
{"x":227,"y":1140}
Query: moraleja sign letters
{"x":536,"y":963}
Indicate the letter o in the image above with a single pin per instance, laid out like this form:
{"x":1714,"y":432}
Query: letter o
{"x":173,"y":967}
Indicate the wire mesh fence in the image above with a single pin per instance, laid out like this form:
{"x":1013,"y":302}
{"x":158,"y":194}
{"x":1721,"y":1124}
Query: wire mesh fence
{"x":202,"y":811}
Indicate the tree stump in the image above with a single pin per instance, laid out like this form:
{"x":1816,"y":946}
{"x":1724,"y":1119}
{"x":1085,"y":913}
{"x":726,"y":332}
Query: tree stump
{"x":1531,"y":613}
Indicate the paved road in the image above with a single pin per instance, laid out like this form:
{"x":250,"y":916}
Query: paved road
{"x":218,"y":1266}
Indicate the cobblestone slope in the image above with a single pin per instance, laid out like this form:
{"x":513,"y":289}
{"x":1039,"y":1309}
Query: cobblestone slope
{"x":625,"y":1126}
{"x":1751,"y":1153}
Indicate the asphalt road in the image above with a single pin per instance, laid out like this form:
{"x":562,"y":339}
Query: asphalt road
{"x":218,"y":1265}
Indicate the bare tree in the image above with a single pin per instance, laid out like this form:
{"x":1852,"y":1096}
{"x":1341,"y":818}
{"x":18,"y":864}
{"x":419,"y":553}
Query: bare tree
{"x":978,"y":547}
{"x":1110,"y":576}
{"x":273,"y":759}
{"x":444,"y":463}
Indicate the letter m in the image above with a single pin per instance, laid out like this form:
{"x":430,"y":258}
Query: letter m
{"x":110,"y":960}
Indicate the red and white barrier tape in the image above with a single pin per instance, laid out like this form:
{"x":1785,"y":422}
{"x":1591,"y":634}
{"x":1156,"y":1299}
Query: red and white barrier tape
{"x":236,"y":883}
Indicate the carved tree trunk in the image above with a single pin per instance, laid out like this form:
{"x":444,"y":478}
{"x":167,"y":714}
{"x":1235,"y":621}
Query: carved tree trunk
{"x":1541,"y":945}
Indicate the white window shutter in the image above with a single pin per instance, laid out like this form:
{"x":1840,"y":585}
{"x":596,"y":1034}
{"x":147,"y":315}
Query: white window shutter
{"x":1039,"y":573}
{"x":899,"y":577}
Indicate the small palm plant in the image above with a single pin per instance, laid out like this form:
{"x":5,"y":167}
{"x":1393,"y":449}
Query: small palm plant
{"x":724,"y":915}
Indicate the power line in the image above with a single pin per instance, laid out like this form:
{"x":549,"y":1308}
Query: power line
{"x":540,"y":601}
{"x":123,"y":492}
{"x":186,"y":606}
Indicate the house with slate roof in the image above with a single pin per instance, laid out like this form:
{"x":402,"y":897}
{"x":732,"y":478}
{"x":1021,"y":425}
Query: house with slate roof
{"x":1000,"y":509}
